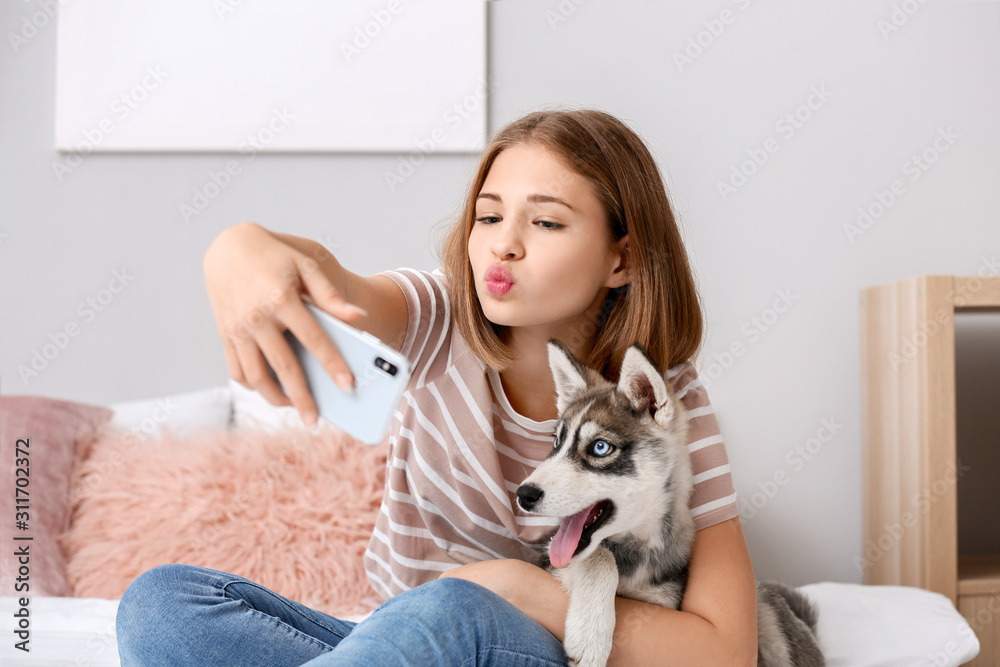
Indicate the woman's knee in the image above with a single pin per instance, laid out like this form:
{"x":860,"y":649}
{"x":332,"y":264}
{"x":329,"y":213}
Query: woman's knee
{"x":452,"y":620}
{"x":162,"y":580}
{"x":451,"y":605}
{"x":158,"y":591}
{"x":448,"y":594}
{"x":176,"y":592}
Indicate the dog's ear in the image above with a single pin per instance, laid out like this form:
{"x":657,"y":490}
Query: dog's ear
{"x":570,"y":375}
{"x":644,"y":385}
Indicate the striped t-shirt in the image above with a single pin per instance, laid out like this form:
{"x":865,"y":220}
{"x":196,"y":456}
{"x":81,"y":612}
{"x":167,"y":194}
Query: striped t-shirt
{"x":458,"y":451}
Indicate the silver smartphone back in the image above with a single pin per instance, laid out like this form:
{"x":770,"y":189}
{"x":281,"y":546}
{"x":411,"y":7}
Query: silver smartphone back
{"x":381,"y":375}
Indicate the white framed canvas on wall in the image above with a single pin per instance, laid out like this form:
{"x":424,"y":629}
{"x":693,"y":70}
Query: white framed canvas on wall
{"x":288,"y":76}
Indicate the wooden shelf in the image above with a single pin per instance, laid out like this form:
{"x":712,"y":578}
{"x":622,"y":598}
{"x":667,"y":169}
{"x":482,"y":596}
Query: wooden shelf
{"x":909,"y":418}
{"x":979,"y":574}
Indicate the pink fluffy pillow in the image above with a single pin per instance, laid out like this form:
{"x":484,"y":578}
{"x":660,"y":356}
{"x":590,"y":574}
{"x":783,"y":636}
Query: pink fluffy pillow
{"x":54,"y":429}
{"x":292,"y":511}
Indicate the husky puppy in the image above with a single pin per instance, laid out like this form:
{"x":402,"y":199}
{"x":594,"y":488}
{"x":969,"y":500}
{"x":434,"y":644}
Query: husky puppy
{"x":620,"y":476}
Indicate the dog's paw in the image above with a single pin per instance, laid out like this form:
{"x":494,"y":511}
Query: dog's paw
{"x":587,"y":651}
{"x":588,"y":661}
{"x":584,"y":662}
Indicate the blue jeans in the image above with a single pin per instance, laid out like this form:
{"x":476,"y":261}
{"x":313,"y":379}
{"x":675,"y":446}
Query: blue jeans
{"x":186,"y":615}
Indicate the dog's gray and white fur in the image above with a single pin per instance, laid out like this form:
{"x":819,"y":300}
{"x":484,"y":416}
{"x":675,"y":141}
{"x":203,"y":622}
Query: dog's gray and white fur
{"x":620,"y":469}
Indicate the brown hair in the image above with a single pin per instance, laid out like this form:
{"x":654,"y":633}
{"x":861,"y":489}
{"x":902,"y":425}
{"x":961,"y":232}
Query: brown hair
{"x":659,"y":308}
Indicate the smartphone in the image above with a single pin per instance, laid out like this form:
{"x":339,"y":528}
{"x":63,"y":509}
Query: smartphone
{"x":381,"y":375}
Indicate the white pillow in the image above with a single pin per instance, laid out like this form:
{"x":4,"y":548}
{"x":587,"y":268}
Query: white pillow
{"x":252,"y":410}
{"x":178,"y":413}
{"x":889,"y":626}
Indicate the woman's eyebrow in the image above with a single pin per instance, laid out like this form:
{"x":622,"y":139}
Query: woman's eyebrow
{"x":544,"y":199}
{"x":535,"y":198}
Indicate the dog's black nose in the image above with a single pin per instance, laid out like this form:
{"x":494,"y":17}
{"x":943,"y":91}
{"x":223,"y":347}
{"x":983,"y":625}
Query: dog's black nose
{"x":528,"y":496}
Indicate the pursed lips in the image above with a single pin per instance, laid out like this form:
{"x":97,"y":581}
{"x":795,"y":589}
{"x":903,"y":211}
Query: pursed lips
{"x":498,"y":280}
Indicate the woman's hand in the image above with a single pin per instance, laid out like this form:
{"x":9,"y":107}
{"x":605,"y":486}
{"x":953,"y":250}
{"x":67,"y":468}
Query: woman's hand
{"x":255,"y":283}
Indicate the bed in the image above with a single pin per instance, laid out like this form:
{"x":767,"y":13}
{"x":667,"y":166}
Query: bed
{"x":96,"y":472}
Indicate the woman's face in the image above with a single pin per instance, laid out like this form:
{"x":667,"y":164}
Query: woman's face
{"x":540,"y":247}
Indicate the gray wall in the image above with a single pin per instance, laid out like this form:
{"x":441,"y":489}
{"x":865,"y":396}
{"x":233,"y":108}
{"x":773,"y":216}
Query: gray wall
{"x":778,"y":261}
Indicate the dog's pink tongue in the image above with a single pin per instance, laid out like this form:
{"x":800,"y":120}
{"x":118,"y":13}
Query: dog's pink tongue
{"x":568,"y":537}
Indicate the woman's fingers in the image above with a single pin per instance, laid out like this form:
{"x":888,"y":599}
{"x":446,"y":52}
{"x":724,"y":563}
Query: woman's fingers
{"x":327,"y":298}
{"x":317,"y":286}
{"x":274,"y":351}
{"x":233,"y":361}
{"x":317,"y":342}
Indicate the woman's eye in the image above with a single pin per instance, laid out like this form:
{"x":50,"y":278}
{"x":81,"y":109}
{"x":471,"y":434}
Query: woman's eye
{"x":488,"y":219}
{"x":601,"y":448}
{"x":546,"y":224}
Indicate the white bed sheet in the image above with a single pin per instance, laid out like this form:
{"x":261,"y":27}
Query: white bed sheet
{"x":859,"y":626}
{"x":63,"y":631}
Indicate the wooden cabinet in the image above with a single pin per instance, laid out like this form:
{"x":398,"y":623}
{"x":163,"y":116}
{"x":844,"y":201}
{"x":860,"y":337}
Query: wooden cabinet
{"x":912,"y":457}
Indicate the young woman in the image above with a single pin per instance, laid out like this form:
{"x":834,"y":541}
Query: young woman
{"x":567,"y":233}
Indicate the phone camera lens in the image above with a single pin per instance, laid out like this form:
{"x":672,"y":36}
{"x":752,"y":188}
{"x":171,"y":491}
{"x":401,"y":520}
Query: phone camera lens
{"x":385,"y":365}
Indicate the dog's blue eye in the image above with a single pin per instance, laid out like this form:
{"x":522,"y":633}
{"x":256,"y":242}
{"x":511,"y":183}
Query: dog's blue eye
{"x":601,"y":448}
{"x":555,"y":441}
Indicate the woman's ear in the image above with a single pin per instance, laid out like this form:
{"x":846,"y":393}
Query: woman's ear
{"x":621,"y":273}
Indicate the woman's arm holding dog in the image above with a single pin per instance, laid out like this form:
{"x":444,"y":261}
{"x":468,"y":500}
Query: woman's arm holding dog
{"x":717,"y":623}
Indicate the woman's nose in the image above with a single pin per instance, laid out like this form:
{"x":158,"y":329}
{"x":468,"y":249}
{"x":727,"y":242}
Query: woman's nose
{"x":507,"y":241}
